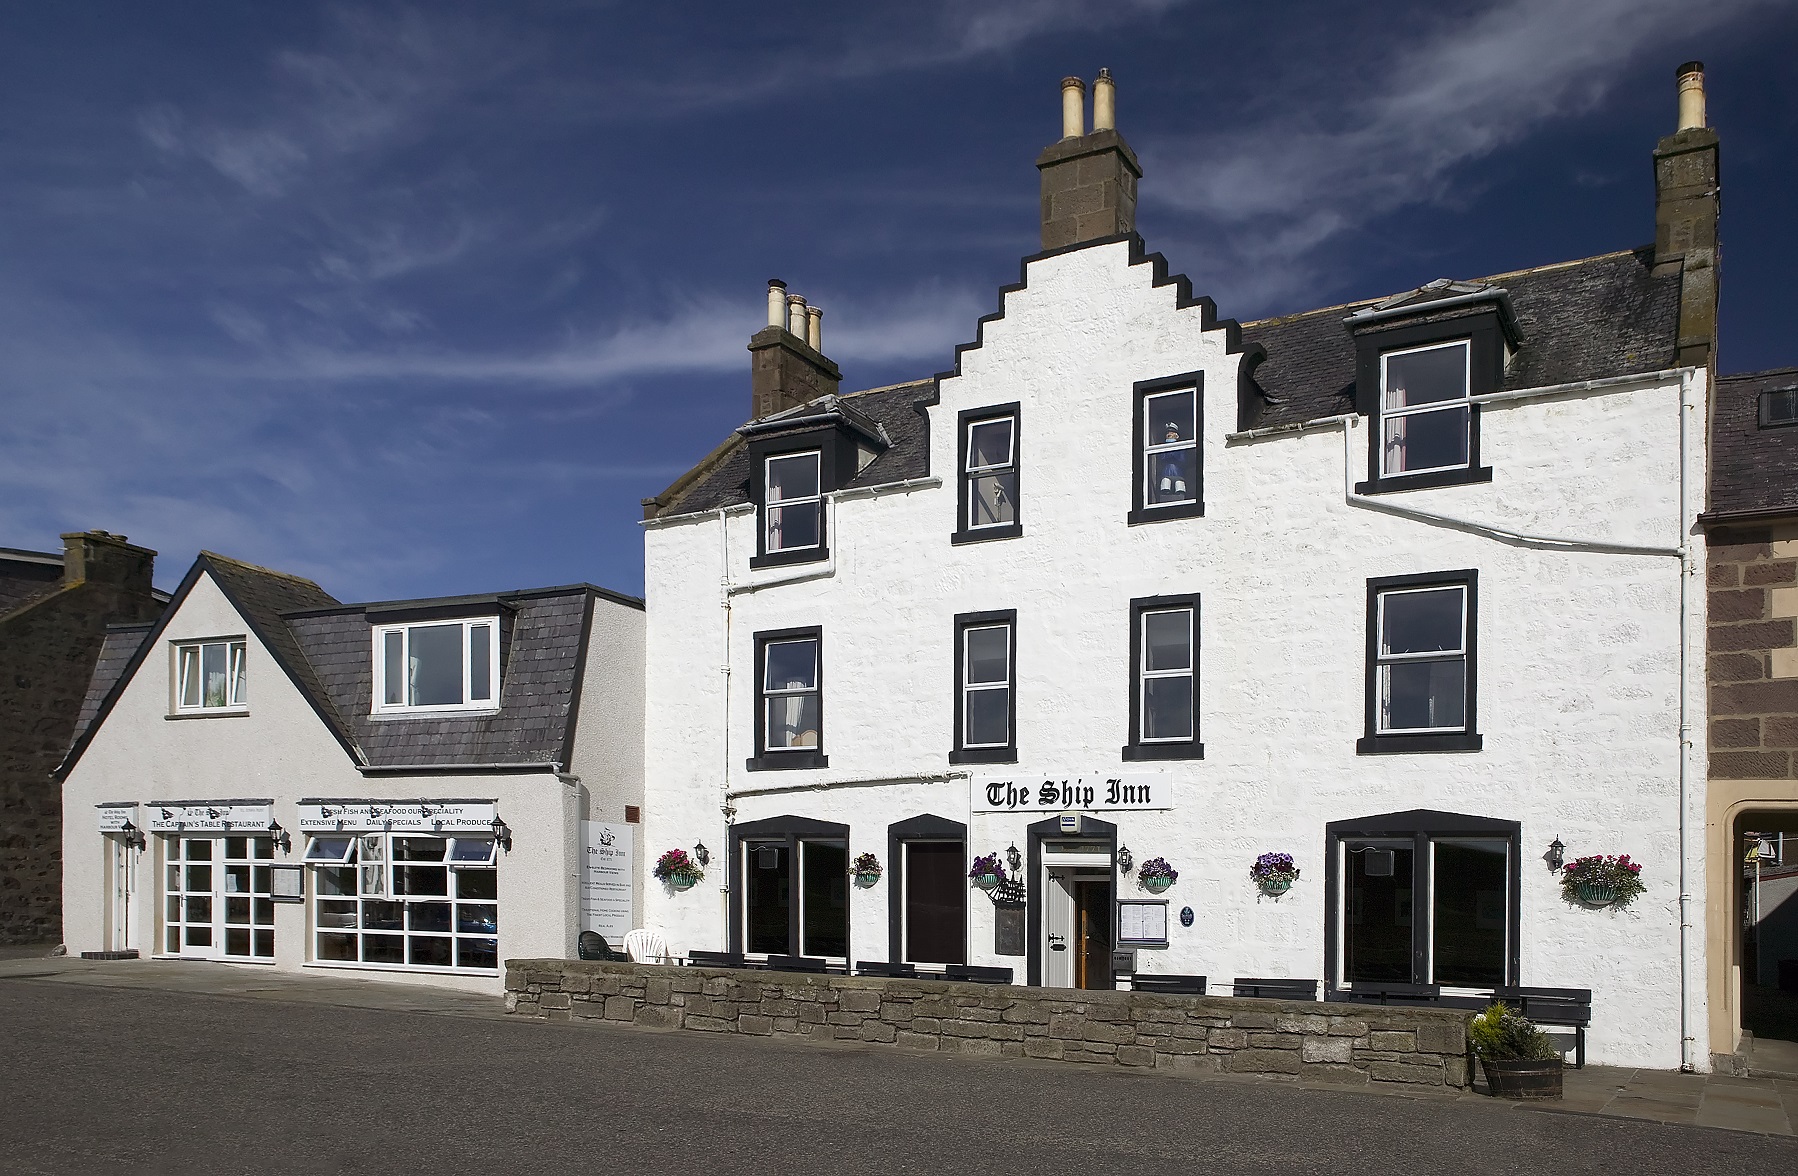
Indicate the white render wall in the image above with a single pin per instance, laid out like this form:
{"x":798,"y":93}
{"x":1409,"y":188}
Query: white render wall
{"x":608,"y":732}
{"x":1578,"y":670}
{"x":281,"y":749}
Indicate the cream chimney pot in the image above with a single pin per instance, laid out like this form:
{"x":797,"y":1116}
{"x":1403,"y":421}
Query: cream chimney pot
{"x":796,"y":315}
{"x":777,"y":303}
{"x":1691,"y":95}
{"x":814,"y":328}
{"x":1073,"y":108}
{"x":1105,"y":114}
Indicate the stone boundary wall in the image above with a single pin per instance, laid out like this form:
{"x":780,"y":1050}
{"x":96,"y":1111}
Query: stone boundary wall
{"x":1350,"y":1044}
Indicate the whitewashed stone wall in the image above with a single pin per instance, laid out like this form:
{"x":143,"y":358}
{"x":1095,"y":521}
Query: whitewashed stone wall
{"x":1579,"y":664}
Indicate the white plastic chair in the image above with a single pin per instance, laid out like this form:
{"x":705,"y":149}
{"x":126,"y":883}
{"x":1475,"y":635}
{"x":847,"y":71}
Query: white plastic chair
{"x":645,"y":946}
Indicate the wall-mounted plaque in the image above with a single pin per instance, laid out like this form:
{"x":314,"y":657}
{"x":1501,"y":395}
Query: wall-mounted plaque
{"x":1009,"y":937}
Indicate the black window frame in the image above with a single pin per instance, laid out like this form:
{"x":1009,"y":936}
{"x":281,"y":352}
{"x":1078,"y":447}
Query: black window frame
{"x":828,"y":445}
{"x":1184,"y":749}
{"x":1373,"y":741}
{"x":1141,"y":511}
{"x":1764,"y":408}
{"x":788,"y":830}
{"x":784,"y":760}
{"x":960,"y":753}
{"x":1421,"y":826}
{"x":927,"y":827}
{"x":964,"y":422}
{"x":1485,"y":341}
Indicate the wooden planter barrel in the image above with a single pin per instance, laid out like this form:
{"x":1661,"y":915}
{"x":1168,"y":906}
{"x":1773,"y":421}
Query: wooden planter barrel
{"x":1512,"y":1078}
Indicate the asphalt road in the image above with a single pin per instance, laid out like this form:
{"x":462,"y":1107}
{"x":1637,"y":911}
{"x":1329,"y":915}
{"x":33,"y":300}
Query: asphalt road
{"x":96,"y":1080}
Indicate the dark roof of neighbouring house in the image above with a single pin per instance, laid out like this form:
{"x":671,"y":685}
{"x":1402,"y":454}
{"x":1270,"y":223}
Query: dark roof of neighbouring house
{"x":27,"y":575}
{"x":897,"y":410}
{"x":1579,"y":320}
{"x":324,"y":648}
{"x":1753,"y":470}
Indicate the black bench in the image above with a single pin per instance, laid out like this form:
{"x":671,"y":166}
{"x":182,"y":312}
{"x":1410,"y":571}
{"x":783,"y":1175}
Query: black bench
{"x":1188,"y":985}
{"x":1263,"y":988}
{"x":793,"y":963}
{"x":882,"y":968}
{"x":716,"y":959}
{"x":1393,"y":993}
{"x":979,"y":975}
{"x":1567,"y":1007}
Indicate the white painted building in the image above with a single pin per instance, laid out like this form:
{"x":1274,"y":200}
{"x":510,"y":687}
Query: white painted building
{"x":1400,"y":588}
{"x":268,"y":777}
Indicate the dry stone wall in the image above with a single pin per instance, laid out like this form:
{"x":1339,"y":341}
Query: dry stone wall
{"x":1350,"y":1044}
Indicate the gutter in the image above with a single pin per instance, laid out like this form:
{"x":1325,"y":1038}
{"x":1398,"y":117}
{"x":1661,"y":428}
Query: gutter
{"x":456,"y":769}
{"x":852,"y":782}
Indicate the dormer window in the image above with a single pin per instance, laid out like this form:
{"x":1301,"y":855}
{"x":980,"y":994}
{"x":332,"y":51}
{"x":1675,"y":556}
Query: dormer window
{"x":440,"y":665}
{"x":1426,"y":422}
{"x":793,"y":511}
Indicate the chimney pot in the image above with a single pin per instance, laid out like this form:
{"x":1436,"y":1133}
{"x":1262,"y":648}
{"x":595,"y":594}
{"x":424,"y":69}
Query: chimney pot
{"x":796,"y":315}
{"x":1691,"y":95}
{"x":814,"y":328}
{"x":777,"y":303}
{"x":1073,"y":108}
{"x":1105,"y":117}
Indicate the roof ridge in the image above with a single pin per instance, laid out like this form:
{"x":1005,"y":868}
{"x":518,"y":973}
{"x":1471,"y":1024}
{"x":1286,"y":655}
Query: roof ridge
{"x":889,"y":387}
{"x":213,"y":555}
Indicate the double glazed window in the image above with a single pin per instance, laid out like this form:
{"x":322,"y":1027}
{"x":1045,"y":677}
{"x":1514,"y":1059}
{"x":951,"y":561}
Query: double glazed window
{"x":1421,"y":663}
{"x":410,"y":900}
{"x":793,"y":502}
{"x":1426,"y":420}
{"x":1164,"y":659}
{"x":209,"y":675}
{"x":789,"y":700}
{"x":988,"y":496}
{"x":1169,"y":482}
{"x":439,"y":665}
{"x":985,"y":688}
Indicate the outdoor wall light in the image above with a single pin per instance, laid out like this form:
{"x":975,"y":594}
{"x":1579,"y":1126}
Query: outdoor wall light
{"x":502,"y":833}
{"x":279,"y":836}
{"x":1556,"y":856}
{"x":1125,"y":859}
{"x":134,"y":837}
{"x":702,"y":855}
{"x":1013,"y":858}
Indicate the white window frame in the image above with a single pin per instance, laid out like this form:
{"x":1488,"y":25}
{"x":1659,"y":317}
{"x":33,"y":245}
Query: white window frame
{"x":1344,"y":900}
{"x":236,"y":675}
{"x":798,"y":880}
{"x":1461,"y":405}
{"x":318,"y":841}
{"x":770,"y":505}
{"x":1153,"y":449}
{"x":1382,"y":659}
{"x":968,"y":687}
{"x":771,"y":694}
{"x":384,"y":870}
{"x":971,"y":470}
{"x":1145,"y":675}
{"x":490,"y":703}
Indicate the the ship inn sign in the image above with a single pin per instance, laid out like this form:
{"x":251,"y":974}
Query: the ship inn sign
{"x":1123,"y":792}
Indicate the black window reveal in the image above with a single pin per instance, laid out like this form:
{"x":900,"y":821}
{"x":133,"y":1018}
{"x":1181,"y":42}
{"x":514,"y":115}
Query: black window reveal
{"x":791,"y":889}
{"x":1421,"y":639}
{"x":789,"y":714}
{"x":1164,"y":673}
{"x":1169,"y":480}
{"x":986,"y":705}
{"x":987,"y":495}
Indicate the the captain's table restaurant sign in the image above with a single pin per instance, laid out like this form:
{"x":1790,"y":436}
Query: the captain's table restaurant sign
{"x":1123,"y":792}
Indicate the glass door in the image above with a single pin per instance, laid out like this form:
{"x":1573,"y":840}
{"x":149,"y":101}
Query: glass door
{"x":217,"y":899}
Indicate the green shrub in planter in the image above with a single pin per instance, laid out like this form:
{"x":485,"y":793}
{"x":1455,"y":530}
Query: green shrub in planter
{"x":1519,"y":1059}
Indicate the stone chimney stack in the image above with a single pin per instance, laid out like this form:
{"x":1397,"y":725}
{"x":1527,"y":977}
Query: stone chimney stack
{"x":786,"y":367}
{"x":1089,"y":177}
{"x":1686,"y":208}
{"x":96,"y":557}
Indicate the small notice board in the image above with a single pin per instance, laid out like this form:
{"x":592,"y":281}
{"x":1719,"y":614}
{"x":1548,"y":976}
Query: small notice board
{"x":1142,"y":922}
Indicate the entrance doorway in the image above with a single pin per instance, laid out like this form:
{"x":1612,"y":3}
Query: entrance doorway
{"x":1078,"y":929}
{"x":1766,"y":865}
{"x":121,"y":883}
{"x":217,"y":899}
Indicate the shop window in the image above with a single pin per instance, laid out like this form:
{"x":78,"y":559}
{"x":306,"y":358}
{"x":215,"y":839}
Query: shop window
{"x":442,"y":665}
{"x":405,"y":900}
{"x":217,"y":897}
{"x":209,"y":676}
{"x":1422,"y":898}
{"x":792,"y":892}
{"x":1420,"y":663}
{"x":985,"y":688}
{"x":988,"y":496}
{"x":1169,"y":480}
{"x":1164,"y":664}
{"x":789,"y":717}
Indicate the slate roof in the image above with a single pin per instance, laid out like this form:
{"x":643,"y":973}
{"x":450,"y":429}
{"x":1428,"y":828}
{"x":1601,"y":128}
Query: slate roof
{"x":26,"y":576}
{"x":1580,"y":320}
{"x":897,"y":409}
{"x":325,"y":648}
{"x":1753,"y":470}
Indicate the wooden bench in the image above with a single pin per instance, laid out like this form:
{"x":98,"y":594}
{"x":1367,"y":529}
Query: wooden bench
{"x":882,"y":968}
{"x":978,"y":975}
{"x":1569,"y":1008}
{"x":1185,"y":985}
{"x":792,"y":963}
{"x":1263,"y":988}
{"x":716,"y":959}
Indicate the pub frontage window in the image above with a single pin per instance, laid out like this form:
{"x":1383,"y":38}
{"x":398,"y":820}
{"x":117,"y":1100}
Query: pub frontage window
{"x":407,"y":900}
{"x":792,"y":888}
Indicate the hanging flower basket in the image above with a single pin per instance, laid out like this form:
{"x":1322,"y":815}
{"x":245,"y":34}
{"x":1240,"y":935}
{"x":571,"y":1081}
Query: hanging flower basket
{"x":1156,"y":875}
{"x":678,"y":870}
{"x":866,"y":870}
{"x":1602,"y":880}
{"x":1274,"y":873}
{"x":987,"y":872}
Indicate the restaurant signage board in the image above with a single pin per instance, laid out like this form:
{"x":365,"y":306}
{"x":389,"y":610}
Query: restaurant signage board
{"x":114,"y":817}
{"x":399,"y":816}
{"x":211,"y":816}
{"x":607,"y":904}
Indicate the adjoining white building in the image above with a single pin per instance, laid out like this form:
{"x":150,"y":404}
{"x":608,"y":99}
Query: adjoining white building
{"x":267,"y":776}
{"x":1401,"y":588}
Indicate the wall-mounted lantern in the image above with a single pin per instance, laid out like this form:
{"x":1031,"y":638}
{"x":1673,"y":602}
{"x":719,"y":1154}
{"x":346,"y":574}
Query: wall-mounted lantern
{"x":279,"y":836}
{"x":1126,"y":860}
{"x":1013,"y":858}
{"x":502,"y":833}
{"x":702,"y":855}
{"x":134,"y":837}
{"x":1556,"y":857}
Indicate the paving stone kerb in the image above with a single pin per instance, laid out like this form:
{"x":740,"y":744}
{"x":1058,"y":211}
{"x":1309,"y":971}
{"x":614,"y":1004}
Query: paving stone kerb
{"x":1350,"y":1044}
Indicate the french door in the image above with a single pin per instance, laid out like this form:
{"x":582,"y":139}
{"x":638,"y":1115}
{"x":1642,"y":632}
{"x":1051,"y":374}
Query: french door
{"x":217,"y":899}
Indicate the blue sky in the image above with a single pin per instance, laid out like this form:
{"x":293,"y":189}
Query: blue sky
{"x":417,"y":300}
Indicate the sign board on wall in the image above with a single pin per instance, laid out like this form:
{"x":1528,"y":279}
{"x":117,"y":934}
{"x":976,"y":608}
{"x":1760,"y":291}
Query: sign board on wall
{"x":401,"y":816}
{"x":1126,"y":791}
{"x":215,"y":816}
{"x":114,"y":817}
{"x":606,"y":893}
